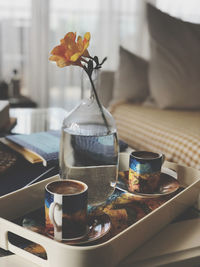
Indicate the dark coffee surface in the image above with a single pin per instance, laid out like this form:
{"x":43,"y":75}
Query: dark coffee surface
{"x":145,"y":155}
{"x":66,"y":187}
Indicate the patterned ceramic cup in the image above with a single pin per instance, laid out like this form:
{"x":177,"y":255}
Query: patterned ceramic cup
{"x":66,"y":209}
{"x":144,"y":171}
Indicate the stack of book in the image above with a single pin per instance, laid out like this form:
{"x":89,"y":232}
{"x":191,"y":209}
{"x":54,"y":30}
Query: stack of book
{"x":42,"y":147}
{"x":36,"y":157}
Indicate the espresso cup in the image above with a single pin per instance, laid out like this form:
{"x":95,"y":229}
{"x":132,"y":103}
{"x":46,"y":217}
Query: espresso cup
{"x":66,"y":209}
{"x":145,"y":171}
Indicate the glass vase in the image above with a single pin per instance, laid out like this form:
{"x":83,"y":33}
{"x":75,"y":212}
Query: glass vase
{"x":89,"y":147}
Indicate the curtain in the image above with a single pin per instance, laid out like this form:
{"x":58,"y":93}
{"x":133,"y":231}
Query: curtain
{"x":15,"y":18}
{"x":39,"y":44}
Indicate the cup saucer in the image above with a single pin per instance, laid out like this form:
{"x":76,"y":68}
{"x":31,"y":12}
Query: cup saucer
{"x":98,"y":227}
{"x":168,"y":184}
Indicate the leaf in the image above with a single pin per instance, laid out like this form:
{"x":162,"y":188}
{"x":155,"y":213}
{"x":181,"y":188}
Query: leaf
{"x":96,"y":60}
{"x":103,"y":60}
{"x":90,"y":67}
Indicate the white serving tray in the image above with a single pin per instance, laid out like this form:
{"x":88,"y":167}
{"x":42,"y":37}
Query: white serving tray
{"x":107,"y":254}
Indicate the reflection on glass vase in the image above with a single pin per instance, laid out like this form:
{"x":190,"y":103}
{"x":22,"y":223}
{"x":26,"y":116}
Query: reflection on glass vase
{"x":89,"y":148}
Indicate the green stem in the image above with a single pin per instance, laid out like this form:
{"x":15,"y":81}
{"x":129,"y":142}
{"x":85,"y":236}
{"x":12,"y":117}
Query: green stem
{"x":98,"y":102}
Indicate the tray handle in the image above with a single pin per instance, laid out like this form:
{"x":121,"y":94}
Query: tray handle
{"x":9,"y":227}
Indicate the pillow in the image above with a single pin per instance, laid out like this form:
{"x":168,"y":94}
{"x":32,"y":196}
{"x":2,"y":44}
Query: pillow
{"x":131,"y":78}
{"x":174,"y":67}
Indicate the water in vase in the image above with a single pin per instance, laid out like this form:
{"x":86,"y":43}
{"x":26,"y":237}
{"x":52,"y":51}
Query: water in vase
{"x":90,"y":158}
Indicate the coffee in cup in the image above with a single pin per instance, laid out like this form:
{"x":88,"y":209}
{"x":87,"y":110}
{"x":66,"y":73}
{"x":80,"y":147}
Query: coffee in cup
{"x":66,"y":209}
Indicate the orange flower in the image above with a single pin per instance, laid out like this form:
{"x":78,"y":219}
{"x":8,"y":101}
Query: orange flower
{"x":70,"y":51}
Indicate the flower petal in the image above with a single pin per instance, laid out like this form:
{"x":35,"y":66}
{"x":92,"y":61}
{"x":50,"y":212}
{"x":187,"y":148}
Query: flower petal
{"x":53,"y":58}
{"x":79,"y":43}
{"x":58,"y":50}
{"x":87,"y":36}
{"x":70,"y":35}
{"x":86,"y":53}
{"x":75,"y":57}
{"x":62,"y":63}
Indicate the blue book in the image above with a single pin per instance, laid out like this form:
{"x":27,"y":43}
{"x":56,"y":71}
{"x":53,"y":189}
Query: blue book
{"x":36,"y":147}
